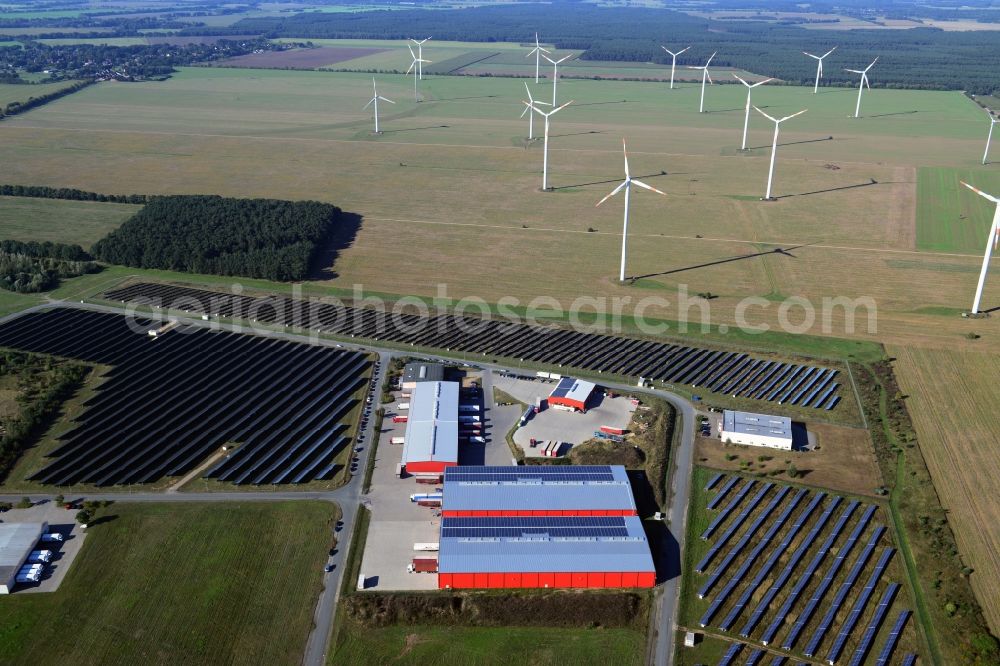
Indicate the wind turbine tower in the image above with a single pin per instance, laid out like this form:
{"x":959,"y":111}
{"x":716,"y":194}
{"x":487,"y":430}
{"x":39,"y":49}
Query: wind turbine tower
{"x":555,"y":74}
{"x":861,"y":86}
{"x":537,"y":52}
{"x":415,"y":67}
{"x":991,"y":244}
{"x":531,"y":116}
{"x":704,"y":75}
{"x":673,"y":62}
{"x":420,"y":56}
{"x":627,"y":186}
{"x":989,"y":137}
{"x":819,"y":66}
{"x":746,"y":118}
{"x":374,"y":100}
{"x":774,"y":147}
{"x":545,"y":150}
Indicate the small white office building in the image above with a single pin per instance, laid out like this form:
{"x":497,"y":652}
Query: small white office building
{"x":751,"y":429}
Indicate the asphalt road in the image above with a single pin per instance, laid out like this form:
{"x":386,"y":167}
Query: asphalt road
{"x":349,"y":496}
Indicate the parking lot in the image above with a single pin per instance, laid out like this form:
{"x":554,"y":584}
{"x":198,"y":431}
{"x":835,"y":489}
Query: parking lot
{"x":62,"y":521}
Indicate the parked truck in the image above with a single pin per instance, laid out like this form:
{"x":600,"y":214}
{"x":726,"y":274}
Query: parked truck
{"x":430,"y":503}
{"x":423,"y":565}
{"x":40,"y":556}
{"x":399,"y":419}
{"x":468,"y":408}
{"x":611,"y":430}
{"x":402,"y":406}
{"x":28,"y":578}
{"x":397,"y":440}
{"x":468,"y":418}
{"x":399,"y":470}
{"x":429,"y":480}
{"x":417,"y":497}
{"x":52,"y":536}
{"x":430,"y":546}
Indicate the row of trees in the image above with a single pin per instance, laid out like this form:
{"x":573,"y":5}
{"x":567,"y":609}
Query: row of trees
{"x":16,"y":107}
{"x":24,"y":274}
{"x":43,"y":385}
{"x":254,"y":238}
{"x":45,"y":192}
{"x":917,"y":58}
{"x":46,"y":249}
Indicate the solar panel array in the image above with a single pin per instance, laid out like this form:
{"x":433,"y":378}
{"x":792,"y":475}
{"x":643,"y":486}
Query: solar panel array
{"x":754,"y":658}
{"x":893,"y":639}
{"x":534,"y":473}
{"x":731,"y":654}
{"x":732,"y":373}
{"x":721,"y":495}
{"x":170,"y":401}
{"x":714,"y":481}
{"x":909,"y":659}
{"x":543,"y":528}
{"x":724,"y":514}
{"x":874,"y":624}
{"x":762,"y":536}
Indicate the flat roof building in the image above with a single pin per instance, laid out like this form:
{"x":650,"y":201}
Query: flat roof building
{"x":17,"y":540}
{"x":418,"y":372}
{"x":572,"y":393}
{"x":537,"y":490}
{"x":431,"y":440}
{"x":757,"y":429}
{"x":551,"y":552}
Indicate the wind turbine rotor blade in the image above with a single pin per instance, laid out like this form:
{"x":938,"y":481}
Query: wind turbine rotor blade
{"x":709,"y":75}
{"x":873,"y":63}
{"x":613,"y":193}
{"x":625,"y":153}
{"x":668,"y":50}
{"x":981,"y":193}
{"x":811,"y":55}
{"x":386,"y":99}
{"x":527,"y":107}
{"x":410,"y":68}
{"x":854,"y":71}
{"x":564,"y":59}
{"x":412,"y":54}
{"x":742,"y":81}
{"x":760,"y":83}
{"x":549,"y":59}
{"x":821,"y":68}
{"x":830,"y":51}
{"x":647,"y":187}
{"x":683,"y":50}
{"x":710,"y":59}
{"x":368,"y":104}
{"x":864,"y":77}
{"x":560,"y":108}
{"x":693,"y":67}
{"x":793,"y":115}
{"x":773,"y":120}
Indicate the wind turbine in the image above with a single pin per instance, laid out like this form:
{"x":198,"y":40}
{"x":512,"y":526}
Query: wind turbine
{"x":991,"y":244}
{"x":864,"y":82}
{"x":627,"y":186}
{"x":420,"y":55}
{"x":774,"y":146}
{"x":415,"y":67}
{"x":545,"y":151}
{"x":555,"y":74}
{"x":746,"y":119}
{"x":374,"y":100}
{"x":537,"y":51}
{"x":819,"y":66}
{"x":704,"y":75}
{"x":993,"y":121}
{"x":527,"y":109}
{"x":673,"y":62}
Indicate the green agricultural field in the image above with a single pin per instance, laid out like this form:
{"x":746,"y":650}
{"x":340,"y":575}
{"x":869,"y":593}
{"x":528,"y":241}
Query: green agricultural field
{"x":951,"y":218}
{"x":19,"y":92}
{"x":59,"y":220}
{"x":184,"y":583}
{"x":485,"y":646}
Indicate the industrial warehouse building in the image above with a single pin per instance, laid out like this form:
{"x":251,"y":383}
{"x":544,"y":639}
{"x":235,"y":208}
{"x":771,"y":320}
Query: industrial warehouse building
{"x":536,"y":490}
{"x":757,"y":430}
{"x":431,"y":440}
{"x":545,"y":527}
{"x":416,"y":373}
{"x":571,"y":394}
{"x":17,"y":540}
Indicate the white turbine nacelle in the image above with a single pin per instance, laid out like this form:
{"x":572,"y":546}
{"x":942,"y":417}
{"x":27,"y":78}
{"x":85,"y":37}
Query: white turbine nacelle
{"x":374,"y":100}
{"x":991,"y":243}
{"x":416,"y":66}
{"x":704,"y":75}
{"x":420,"y":55}
{"x":989,"y":137}
{"x":746,"y":117}
{"x":555,"y":74}
{"x":537,"y":52}
{"x":545,"y":150}
{"x":527,"y":110}
{"x":774,"y":147}
{"x":819,"y":66}
{"x":673,"y":62}
{"x":861,"y":86}
{"x":627,"y":186}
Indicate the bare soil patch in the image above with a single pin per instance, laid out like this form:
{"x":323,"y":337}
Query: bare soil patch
{"x":300,"y":58}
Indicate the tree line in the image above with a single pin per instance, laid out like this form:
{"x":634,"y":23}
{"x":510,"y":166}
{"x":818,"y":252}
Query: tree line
{"x":255,"y":238}
{"x":926,"y":58}
{"x":45,"y":192}
{"x":15,"y":107}
{"x":30,"y":275}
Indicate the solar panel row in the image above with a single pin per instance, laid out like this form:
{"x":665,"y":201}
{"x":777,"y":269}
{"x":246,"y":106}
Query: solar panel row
{"x":859,"y":606}
{"x":721,"y":495}
{"x":909,"y":659}
{"x":778,"y":660}
{"x":536,"y":521}
{"x":731,"y":530}
{"x":786,"y":573}
{"x":827,"y":581}
{"x":714,"y":481}
{"x":874,"y":624}
{"x":731,"y":654}
{"x":172,"y":400}
{"x":804,"y":579}
{"x":718,"y":371}
{"x":754,"y":658}
{"x":893,"y":639}
{"x":729,"y":508}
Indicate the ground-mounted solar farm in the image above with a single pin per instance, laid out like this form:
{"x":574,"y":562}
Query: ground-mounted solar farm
{"x":729,"y":373}
{"x":174,"y":397}
{"x":791,"y":572}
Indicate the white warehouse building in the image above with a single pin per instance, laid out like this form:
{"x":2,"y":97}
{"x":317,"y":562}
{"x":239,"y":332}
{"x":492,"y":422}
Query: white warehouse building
{"x":757,"y":429}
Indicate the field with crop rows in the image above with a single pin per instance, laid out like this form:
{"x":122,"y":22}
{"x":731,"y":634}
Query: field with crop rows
{"x":60,"y":220}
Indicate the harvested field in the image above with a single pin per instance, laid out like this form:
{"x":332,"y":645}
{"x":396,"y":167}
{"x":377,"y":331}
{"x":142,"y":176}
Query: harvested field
{"x":844,"y":460}
{"x":323,"y":56}
{"x":953,"y":398}
{"x":951,"y":218}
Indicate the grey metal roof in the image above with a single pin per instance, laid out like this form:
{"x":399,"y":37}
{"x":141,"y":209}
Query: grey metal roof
{"x":17,"y":540}
{"x":573,"y":389}
{"x":533,"y":488}
{"x":748,"y":423}
{"x":432,"y":423}
{"x":423,"y":372}
{"x":536,"y":552}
